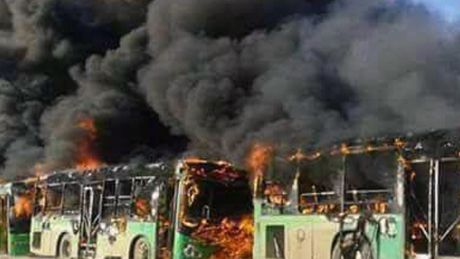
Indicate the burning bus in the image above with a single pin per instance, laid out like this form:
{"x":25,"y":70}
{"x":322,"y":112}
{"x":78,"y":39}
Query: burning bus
{"x":15,"y":216}
{"x":385,"y":198}
{"x":198,"y":209}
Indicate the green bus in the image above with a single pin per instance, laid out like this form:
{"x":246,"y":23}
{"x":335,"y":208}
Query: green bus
{"x":15,"y":217}
{"x":384,"y":198}
{"x":149,"y":211}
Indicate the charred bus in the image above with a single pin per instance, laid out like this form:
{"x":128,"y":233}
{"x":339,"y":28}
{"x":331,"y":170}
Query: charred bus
{"x":105,"y":212}
{"x":384,"y":199}
{"x":213,"y":211}
{"x":15,"y":217}
{"x":152,"y":211}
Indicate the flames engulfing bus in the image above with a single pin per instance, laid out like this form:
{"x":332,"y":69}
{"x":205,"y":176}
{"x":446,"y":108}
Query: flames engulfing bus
{"x":196,"y":210}
{"x":387,"y":199}
{"x":15,"y":214}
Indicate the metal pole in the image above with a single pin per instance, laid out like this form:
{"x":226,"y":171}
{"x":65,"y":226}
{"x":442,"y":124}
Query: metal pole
{"x":342,"y":197}
{"x":430,"y":208}
{"x":436,"y":209}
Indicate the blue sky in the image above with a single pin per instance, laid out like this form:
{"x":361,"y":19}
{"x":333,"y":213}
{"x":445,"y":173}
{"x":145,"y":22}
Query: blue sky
{"x":450,"y":9}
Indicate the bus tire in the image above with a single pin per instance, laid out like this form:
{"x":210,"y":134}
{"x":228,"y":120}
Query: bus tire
{"x":363,"y":251}
{"x":65,"y":247}
{"x":140,"y":249}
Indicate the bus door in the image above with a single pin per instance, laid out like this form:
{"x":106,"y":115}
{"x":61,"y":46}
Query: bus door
{"x":3,"y":225}
{"x":434,"y":207}
{"x":448,"y":207}
{"x":90,"y":217}
{"x":419,"y":197}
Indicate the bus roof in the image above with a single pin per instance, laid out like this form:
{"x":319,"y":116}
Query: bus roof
{"x":159,"y":169}
{"x":439,"y":143}
{"x":220,"y":171}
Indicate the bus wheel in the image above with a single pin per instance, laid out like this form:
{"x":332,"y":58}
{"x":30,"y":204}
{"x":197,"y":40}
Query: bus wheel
{"x":351,"y":250}
{"x":141,"y":249}
{"x":65,"y":247}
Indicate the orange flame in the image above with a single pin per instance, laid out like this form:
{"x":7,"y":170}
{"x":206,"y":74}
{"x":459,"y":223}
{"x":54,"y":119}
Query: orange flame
{"x":258,"y":158}
{"x":233,"y":237}
{"x":39,"y":169}
{"x":141,"y":207}
{"x":275,"y":194}
{"x":23,"y":206}
{"x":86,"y":156}
{"x":257,"y":162}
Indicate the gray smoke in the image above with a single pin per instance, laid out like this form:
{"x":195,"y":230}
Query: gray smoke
{"x":104,"y":93}
{"x":221,"y":74}
{"x":363,"y":69}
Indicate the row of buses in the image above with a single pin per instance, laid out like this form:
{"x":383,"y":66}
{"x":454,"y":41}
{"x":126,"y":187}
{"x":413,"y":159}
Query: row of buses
{"x":386,"y":198}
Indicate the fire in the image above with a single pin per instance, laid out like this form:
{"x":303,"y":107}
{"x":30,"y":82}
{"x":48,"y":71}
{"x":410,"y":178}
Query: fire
{"x":142,"y":207}
{"x":86,"y":156}
{"x":258,"y":158}
{"x":257,"y":162}
{"x":23,"y":206}
{"x":39,"y":169}
{"x":233,"y":237}
{"x":344,"y":149}
{"x":275,"y":194}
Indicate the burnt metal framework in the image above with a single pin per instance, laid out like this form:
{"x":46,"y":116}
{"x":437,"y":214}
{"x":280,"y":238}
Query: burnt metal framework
{"x":395,"y":191}
{"x":434,"y":148}
{"x":432,"y":232}
{"x":93,"y":198}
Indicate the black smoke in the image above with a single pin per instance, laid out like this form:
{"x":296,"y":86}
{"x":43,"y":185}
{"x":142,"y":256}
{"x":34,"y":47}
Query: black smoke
{"x":212,"y":77}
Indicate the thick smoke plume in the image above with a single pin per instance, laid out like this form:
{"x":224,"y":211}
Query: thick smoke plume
{"x":361,"y":69}
{"x":217,"y":76}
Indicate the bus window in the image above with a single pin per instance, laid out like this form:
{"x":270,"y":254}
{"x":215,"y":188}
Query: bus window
{"x":53,"y":198}
{"x":108,"y":200}
{"x":146,"y":197}
{"x":212,"y":201}
{"x":71,"y":198}
{"x":21,"y":212}
{"x":39,"y":204}
{"x":319,"y":185}
{"x":370,"y":179}
{"x":417,"y":205}
{"x":124,"y":198}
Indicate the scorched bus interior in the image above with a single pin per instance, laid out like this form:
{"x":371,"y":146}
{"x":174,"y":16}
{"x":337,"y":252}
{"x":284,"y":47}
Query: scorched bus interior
{"x":215,"y":201}
{"x":433,"y":195}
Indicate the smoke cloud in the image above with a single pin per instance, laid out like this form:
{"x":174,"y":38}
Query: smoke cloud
{"x":360,"y":70}
{"x":216,"y":76}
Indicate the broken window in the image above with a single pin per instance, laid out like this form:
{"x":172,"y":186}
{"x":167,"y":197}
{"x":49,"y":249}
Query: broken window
{"x":54,"y":198}
{"x":370,"y":180}
{"x":144,"y":206}
{"x":319,"y":185}
{"x":71,"y":198}
{"x":109,"y":199}
{"x":124,"y":197}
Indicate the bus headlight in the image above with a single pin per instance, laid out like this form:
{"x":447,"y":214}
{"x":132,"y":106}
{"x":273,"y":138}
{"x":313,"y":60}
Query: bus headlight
{"x":103,"y":227}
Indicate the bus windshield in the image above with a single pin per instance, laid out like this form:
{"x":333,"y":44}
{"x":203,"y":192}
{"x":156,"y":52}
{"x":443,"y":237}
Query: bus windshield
{"x":216,"y":200}
{"x":363,"y":181}
{"x":319,"y":185}
{"x":370,"y":180}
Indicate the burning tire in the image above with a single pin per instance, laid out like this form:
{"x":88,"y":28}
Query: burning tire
{"x":141,"y":249}
{"x":65,"y":247}
{"x":352,"y":249}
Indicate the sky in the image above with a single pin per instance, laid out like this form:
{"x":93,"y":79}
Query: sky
{"x":450,"y":9}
